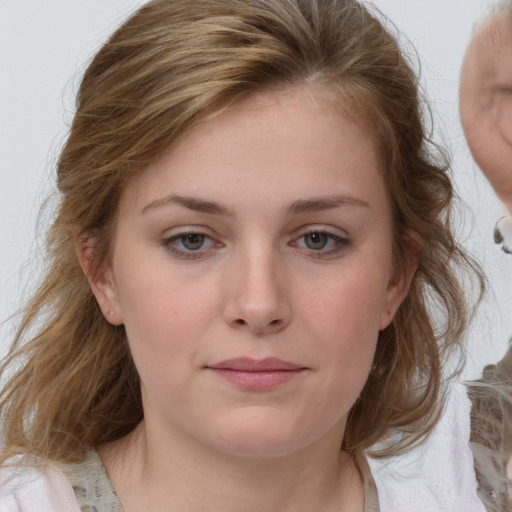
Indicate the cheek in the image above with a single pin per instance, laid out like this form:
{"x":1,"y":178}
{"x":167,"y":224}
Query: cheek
{"x":165,"y":327}
{"x":344,"y":327}
{"x":164,"y":316}
{"x":351,"y":304}
{"x":345,"y":320}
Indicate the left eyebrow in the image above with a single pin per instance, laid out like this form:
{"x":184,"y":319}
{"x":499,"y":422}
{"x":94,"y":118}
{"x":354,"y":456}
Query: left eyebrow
{"x":315,"y":204}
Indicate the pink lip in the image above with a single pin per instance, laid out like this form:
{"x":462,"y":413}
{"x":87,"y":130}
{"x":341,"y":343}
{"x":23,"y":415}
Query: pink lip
{"x":256,"y":374}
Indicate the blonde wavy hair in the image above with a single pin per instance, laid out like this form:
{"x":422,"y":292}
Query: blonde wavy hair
{"x":72,"y":384}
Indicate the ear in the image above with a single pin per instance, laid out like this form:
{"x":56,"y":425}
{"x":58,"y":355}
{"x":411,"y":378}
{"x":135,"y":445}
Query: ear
{"x":400,"y":281}
{"x":102,"y":282}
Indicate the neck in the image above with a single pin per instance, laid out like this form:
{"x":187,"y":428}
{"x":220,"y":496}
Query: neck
{"x":150,"y":476}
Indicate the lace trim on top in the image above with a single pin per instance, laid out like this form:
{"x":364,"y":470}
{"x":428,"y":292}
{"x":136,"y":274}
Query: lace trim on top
{"x":92,"y":487}
{"x":94,"y":491}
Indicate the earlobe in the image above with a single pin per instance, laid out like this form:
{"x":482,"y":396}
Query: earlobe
{"x":399,"y":285}
{"x":396,"y":293}
{"x":102,"y":282}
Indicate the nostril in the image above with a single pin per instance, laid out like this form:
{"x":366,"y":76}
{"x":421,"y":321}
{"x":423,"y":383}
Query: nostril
{"x":240,"y":321}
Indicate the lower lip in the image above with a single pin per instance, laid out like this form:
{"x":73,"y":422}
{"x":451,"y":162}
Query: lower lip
{"x":257,"y":381}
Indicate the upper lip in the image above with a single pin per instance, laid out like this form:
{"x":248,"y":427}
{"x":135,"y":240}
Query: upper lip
{"x":248,"y":364}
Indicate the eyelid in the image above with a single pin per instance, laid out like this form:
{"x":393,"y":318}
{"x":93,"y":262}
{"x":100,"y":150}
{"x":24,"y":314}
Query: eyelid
{"x":342,"y":239}
{"x":188,"y":229}
{"x":321,"y":228}
{"x":175,"y":234}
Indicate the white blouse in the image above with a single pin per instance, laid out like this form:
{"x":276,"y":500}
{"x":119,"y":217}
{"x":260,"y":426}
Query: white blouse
{"x":437,"y":476}
{"x":85,"y":487}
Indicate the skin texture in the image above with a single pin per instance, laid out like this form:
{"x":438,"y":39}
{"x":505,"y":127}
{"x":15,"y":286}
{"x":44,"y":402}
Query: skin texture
{"x":486,"y":101}
{"x":263,"y":176}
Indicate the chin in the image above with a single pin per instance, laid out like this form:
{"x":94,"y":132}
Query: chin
{"x":258,"y":436}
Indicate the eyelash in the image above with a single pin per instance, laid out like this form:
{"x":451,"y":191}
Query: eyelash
{"x":339,"y":244}
{"x":188,"y":254}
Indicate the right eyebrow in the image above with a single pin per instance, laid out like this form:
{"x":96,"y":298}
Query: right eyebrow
{"x":192,"y":203}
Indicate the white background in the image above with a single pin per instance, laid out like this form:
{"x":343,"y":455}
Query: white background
{"x":44,"y":46}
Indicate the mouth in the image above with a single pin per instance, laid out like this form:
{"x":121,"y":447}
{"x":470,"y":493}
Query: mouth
{"x":256,"y":374}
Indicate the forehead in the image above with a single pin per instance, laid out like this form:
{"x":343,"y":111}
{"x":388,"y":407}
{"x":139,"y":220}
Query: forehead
{"x":287,"y":143}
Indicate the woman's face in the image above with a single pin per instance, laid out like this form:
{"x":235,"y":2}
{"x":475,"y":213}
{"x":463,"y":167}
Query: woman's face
{"x":252,"y":270}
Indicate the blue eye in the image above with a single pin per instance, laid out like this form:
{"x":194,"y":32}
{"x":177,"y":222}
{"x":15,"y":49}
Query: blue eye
{"x":192,"y":241}
{"x":316,"y":241}
{"x":188,"y":244}
{"x":321,"y":244}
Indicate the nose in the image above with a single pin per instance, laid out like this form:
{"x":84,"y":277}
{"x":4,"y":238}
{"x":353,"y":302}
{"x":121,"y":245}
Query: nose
{"x":259,"y":298}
